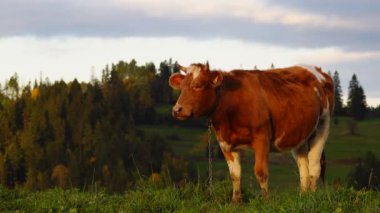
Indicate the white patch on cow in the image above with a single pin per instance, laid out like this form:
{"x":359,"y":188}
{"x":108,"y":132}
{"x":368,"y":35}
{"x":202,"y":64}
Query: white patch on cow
{"x":234,"y":167}
{"x":326,"y":110}
{"x":317,"y":92}
{"x":314,"y":71}
{"x":195,"y":70}
{"x":224,"y":146}
{"x":279,"y":139}
{"x":227,"y":147}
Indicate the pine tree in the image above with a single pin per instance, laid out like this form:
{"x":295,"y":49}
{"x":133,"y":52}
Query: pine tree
{"x":12,"y":88}
{"x":164,"y":76}
{"x":356,"y":103}
{"x":338,"y":95}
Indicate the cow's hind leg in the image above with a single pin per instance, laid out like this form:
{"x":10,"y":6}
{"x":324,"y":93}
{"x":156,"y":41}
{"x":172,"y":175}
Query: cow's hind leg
{"x":317,"y":145}
{"x":233,"y":161}
{"x":261,"y":168}
{"x":301,"y":156}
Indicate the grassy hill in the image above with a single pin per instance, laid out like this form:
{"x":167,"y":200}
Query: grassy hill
{"x":342,"y":150}
{"x":149,"y":197}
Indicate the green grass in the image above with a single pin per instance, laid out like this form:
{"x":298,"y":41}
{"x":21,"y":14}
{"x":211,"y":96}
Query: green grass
{"x":190,"y":143}
{"x":151,"y":197}
{"x":342,"y":150}
{"x":189,"y":139}
{"x":345,"y":146}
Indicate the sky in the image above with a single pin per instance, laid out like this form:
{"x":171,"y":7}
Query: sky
{"x":67,"y":39}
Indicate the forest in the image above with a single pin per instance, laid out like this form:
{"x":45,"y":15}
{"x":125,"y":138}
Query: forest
{"x":79,"y":134}
{"x":85,"y":134}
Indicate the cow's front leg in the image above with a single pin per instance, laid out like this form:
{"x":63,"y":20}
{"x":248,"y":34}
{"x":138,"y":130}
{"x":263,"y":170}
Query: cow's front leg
{"x":233,"y":161}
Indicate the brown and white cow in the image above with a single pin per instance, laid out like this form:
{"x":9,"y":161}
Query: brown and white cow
{"x":287,"y":109}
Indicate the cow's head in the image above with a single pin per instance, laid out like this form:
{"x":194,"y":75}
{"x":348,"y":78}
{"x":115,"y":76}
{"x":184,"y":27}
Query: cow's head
{"x":198,"y":90}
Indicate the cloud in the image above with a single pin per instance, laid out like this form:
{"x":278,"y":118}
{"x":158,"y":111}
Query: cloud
{"x":342,"y":8}
{"x":50,"y":54}
{"x":45,"y":13}
{"x":77,"y":57}
{"x":66,"y":39}
{"x":257,"y":11}
{"x":336,"y":55}
{"x":258,"y":20}
{"x":70,"y":57}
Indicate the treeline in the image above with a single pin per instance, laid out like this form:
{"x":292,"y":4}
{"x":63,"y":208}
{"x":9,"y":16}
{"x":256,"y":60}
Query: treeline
{"x":84,"y":134}
{"x":356,"y":105}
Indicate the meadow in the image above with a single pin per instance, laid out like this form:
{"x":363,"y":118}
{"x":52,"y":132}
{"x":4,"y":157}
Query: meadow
{"x":342,"y":151}
{"x":150,"y":197}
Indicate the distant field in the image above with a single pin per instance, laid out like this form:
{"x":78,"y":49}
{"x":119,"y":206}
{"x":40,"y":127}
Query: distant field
{"x":342,"y":150}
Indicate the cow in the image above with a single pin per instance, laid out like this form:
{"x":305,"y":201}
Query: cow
{"x":286,"y":109}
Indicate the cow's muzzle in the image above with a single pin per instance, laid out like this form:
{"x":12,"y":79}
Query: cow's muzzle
{"x":179,"y":112}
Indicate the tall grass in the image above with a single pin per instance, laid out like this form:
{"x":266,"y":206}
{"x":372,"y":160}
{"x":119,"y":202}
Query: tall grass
{"x":153,"y":197}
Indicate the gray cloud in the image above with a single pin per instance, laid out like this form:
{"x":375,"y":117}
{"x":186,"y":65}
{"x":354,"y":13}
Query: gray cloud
{"x":342,"y":8}
{"x":45,"y":18}
{"x":52,"y":18}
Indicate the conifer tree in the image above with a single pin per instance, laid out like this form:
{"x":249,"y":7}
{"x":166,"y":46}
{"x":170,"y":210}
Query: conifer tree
{"x":338,"y":95}
{"x":164,"y":76}
{"x":356,"y":102}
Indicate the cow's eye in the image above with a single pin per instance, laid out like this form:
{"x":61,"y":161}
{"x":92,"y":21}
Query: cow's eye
{"x":198,"y":87}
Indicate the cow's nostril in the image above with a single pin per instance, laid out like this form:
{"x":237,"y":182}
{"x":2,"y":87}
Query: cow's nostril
{"x":177,"y":109}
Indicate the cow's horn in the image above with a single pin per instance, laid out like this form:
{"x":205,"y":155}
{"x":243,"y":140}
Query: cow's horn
{"x":181,"y":68}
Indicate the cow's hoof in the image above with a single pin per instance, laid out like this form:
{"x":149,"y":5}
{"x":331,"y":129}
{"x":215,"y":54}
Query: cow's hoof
{"x":236,"y":199}
{"x":265,"y":194}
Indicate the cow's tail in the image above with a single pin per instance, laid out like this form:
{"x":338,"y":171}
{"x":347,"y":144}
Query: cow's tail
{"x":323,"y":167}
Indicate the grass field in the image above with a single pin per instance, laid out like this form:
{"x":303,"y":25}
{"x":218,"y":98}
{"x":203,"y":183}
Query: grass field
{"x":342,"y":151}
{"x":150,"y":197}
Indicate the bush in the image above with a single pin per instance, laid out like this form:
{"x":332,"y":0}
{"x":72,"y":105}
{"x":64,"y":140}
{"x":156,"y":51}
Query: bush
{"x":173,"y":137}
{"x":366,"y":174}
{"x":352,"y":126}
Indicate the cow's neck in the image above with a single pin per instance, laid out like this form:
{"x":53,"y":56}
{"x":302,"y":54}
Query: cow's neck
{"x":211,"y":112}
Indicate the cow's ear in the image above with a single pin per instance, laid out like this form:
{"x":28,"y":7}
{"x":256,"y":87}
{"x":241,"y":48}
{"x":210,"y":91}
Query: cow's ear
{"x":216,"y":78}
{"x":175,"y":80}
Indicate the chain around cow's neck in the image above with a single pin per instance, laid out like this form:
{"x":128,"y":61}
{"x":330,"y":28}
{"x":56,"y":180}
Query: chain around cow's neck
{"x":209,"y":125}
